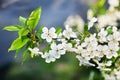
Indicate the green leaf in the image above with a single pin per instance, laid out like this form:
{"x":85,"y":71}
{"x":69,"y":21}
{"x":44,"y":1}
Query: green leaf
{"x":47,"y":48}
{"x":59,"y":29}
{"x":12,"y":28}
{"x":109,"y":30}
{"x":34,"y":18}
{"x":101,"y":3}
{"x":119,"y":52}
{"x":18,"y":43}
{"x":24,"y":56}
{"x":40,"y":29}
{"x":32,"y":55}
{"x":91,"y":76}
{"x":38,"y":34}
{"x":17,"y":52}
{"x":23,"y":32}
{"x":39,"y":37}
{"x":22,"y":20}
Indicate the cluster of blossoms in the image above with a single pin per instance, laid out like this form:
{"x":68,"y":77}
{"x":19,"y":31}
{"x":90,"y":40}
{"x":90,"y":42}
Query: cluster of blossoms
{"x":57,"y":47}
{"x":96,"y":47}
{"x":100,"y":49}
{"x":110,"y":17}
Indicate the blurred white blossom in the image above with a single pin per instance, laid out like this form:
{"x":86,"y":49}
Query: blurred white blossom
{"x":90,"y":14}
{"x":113,"y":4}
{"x":75,"y":21}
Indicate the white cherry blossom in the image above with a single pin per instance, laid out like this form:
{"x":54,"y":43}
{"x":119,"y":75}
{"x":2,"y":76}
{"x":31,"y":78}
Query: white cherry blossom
{"x":35,"y":51}
{"x":48,"y":34}
{"x":91,"y":22}
{"x":112,"y":50}
{"x":101,"y":50}
{"x":68,"y":46}
{"x":75,"y":21}
{"x":49,"y":57}
{"x":79,"y":50}
{"x":84,"y":61}
{"x":102,"y":35}
{"x":113,"y":4}
{"x":90,"y":41}
{"x":68,"y":33}
{"x":57,"y":50}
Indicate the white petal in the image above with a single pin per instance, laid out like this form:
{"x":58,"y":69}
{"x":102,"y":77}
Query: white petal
{"x":48,"y":39}
{"x":53,"y":35}
{"x":62,"y":52}
{"x":57,"y":55}
{"x":90,"y":24}
{"x":53,"y":46}
{"x":93,"y":19}
{"x":45,"y":29}
{"x":44,"y":36}
{"x":60,"y":46}
{"x":47,"y":61}
{"x":73,"y":35}
{"x":52,"y":30}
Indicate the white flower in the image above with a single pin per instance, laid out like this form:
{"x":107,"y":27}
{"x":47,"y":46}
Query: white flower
{"x":75,"y":21}
{"x":84,"y":61}
{"x":91,"y":22}
{"x":117,"y":73}
{"x":102,"y":35}
{"x":103,"y":65}
{"x":35,"y":51}
{"x":113,"y":4}
{"x":48,"y":34}
{"x":49,"y":57}
{"x":91,"y":51}
{"x":115,"y":37}
{"x":79,"y":49}
{"x":107,"y":19}
{"x":112,"y":50}
{"x":101,"y":50}
{"x":90,"y":41}
{"x":57,"y":50}
{"x":61,"y":38}
{"x":68,"y":33}
{"x":68,"y":46}
{"x":110,"y":77}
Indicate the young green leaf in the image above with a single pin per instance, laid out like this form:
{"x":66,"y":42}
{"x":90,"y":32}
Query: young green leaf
{"x":24,"y":56}
{"x":38,"y":34}
{"x":23,"y":32}
{"x":40,"y":29}
{"x":18,"y":43}
{"x":17,"y":52}
{"x":59,"y":29}
{"x":12,"y":28}
{"x":109,"y":30}
{"x":34,"y":18}
{"x":101,"y":3}
{"x":22,"y":20}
